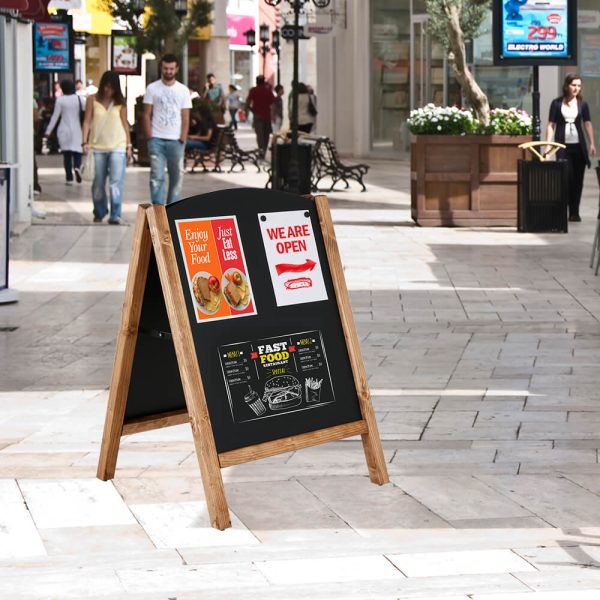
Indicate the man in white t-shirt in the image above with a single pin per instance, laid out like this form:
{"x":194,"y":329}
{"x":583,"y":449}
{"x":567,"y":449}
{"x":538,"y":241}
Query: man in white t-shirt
{"x":167,"y":104}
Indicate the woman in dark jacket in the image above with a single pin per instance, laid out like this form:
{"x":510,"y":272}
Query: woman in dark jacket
{"x":569,"y":118}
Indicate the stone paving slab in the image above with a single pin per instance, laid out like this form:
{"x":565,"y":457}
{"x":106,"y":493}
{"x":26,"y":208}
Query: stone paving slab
{"x":481,"y":346}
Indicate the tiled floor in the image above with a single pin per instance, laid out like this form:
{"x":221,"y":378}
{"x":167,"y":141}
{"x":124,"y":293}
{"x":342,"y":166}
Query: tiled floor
{"x":482,"y":350}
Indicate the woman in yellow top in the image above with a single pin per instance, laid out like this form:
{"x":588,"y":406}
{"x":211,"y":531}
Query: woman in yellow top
{"x":106,"y":133}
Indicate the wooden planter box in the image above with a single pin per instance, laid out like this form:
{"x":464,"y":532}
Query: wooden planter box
{"x":465,"y":180}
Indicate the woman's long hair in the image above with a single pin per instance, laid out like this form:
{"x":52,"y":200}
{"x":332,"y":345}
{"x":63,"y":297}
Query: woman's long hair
{"x":570,"y":78}
{"x":110,"y":78}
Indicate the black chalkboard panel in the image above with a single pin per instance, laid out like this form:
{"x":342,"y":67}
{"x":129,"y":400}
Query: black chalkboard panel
{"x":264,"y":319}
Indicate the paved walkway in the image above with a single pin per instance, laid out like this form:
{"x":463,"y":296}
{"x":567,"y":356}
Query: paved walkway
{"x":482,"y":349}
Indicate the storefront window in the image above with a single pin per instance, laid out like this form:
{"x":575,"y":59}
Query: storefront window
{"x":588,"y":58}
{"x":390,"y":49}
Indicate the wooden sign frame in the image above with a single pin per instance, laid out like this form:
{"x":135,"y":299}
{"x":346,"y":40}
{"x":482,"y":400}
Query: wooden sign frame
{"x":152,"y":234}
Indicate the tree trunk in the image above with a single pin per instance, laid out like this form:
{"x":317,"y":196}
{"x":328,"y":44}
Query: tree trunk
{"x":457,"y":58}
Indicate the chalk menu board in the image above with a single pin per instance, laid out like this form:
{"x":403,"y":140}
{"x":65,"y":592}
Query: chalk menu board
{"x":263,"y":315}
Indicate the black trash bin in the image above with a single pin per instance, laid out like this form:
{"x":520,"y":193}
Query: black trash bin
{"x":280,"y":163}
{"x":543,"y":194}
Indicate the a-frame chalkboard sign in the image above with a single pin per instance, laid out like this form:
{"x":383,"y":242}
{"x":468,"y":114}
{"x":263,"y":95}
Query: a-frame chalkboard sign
{"x":236,"y":319}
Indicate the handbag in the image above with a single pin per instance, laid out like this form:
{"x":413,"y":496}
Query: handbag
{"x":88,"y":169}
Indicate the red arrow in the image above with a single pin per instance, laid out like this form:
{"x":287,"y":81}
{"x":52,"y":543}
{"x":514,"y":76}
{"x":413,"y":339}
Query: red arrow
{"x":307,"y":265}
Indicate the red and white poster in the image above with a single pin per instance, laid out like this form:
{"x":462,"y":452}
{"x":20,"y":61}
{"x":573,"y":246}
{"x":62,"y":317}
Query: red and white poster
{"x":216,"y":268}
{"x":293,"y":258}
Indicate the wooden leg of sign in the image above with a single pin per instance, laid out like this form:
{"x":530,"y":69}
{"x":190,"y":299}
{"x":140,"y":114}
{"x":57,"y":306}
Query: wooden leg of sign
{"x":189,"y":369}
{"x":371,"y":441}
{"x":132,"y":308}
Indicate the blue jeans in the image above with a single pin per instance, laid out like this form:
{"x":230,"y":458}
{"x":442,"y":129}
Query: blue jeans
{"x":170,"y":153}
{"x":196,"y":145}
{"x":233,"y":113}
{"x":111,"y":164}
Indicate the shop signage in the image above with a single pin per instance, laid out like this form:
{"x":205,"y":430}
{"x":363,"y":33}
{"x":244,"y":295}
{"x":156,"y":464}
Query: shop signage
{"x":535,"y":32}
{"x":211,"y":335}
{"x":125,"y":59}
{"x":53,"y":45}
{"x":236,"y":25}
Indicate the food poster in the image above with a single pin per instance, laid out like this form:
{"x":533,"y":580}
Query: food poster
{"x":125,"y":59}
{"x":276,"y":376}
{"x":216,"y":269}
{"x":293,"y":258}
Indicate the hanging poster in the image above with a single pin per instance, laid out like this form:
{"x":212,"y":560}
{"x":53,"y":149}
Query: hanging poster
{"x":217,"y":274}
{"x":275,"y":376}
{"x":52,"y":46}
{"x":293,"y":258}
{"x":125,"y":59}
{"x":535,"y":31}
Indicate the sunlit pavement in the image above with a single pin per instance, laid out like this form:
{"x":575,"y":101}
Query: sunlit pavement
{"x":482,"y":350}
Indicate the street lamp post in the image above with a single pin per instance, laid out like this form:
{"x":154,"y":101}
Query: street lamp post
{"x":294,"y":167}
{"x":275,"y":43}
{"x":264,"y":35}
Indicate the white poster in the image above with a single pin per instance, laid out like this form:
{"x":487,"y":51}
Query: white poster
{"x":292,"y":255}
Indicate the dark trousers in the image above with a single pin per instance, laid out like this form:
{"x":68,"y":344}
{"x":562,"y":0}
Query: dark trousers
{"x":574,"y":155}
{"x":263,"y":130}
{"x":71,"y":159}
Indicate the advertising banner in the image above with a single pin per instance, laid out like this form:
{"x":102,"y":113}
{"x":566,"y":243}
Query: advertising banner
{"x":124,"y":58}
{"x":216,"y":269}
{"x":275,"y":376}
{"x":52,"y":46}
{"x":535,"y":31}
{"x":293,"y":258}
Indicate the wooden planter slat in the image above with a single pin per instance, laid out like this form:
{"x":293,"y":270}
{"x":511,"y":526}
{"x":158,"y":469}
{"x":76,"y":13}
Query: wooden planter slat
{"x":465,"y":180}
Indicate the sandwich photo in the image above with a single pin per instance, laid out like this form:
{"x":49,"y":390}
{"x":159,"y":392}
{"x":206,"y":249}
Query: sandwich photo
{"x":207,"y":292}
{"x":236,"y":289}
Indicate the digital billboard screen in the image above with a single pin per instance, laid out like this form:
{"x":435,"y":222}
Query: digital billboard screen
{"x":535,"y":32}
{"x":52,"y":46}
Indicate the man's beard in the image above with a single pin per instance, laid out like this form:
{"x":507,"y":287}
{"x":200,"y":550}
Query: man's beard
{"x":168,"y":77}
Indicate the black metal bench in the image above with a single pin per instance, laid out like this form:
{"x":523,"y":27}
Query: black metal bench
{"x":326,"y":163}
{"x":237,"y":156}
{"x":213,"y":154}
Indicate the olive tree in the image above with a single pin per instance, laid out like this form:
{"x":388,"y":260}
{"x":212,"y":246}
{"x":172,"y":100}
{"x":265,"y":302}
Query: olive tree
{"x":160,"y":29}
{"x":451,"y":22}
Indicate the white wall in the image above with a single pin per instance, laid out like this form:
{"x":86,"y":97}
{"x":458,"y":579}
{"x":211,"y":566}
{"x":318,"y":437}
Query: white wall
{"x":16,"y":112}
{"x":343,"y":80}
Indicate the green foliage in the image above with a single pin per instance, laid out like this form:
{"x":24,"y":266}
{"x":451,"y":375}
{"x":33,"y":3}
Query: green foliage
{"x":472,"y":14}
{"x":161,"y":30}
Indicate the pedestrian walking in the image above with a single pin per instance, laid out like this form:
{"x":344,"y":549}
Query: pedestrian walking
{"x":68,"y":108}
{"x":233,"y":104}
{"x":214,"y":95}
{"x":106,"y":134}
{"x":259,"y":101}
{"x":569,"y":123}
{"x":167,"y":105}
{"x":307,"y":111}
{"x":277,"y":111}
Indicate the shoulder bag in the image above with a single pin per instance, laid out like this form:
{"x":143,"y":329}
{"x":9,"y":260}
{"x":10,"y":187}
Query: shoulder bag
{"x":88,"y":169}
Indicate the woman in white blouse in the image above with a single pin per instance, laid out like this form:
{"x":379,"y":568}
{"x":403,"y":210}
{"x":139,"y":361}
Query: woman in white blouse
{"x":570,"y":123}
{"x":68,"y":108}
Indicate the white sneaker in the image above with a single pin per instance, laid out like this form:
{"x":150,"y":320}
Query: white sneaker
{"x":68,"y":183}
